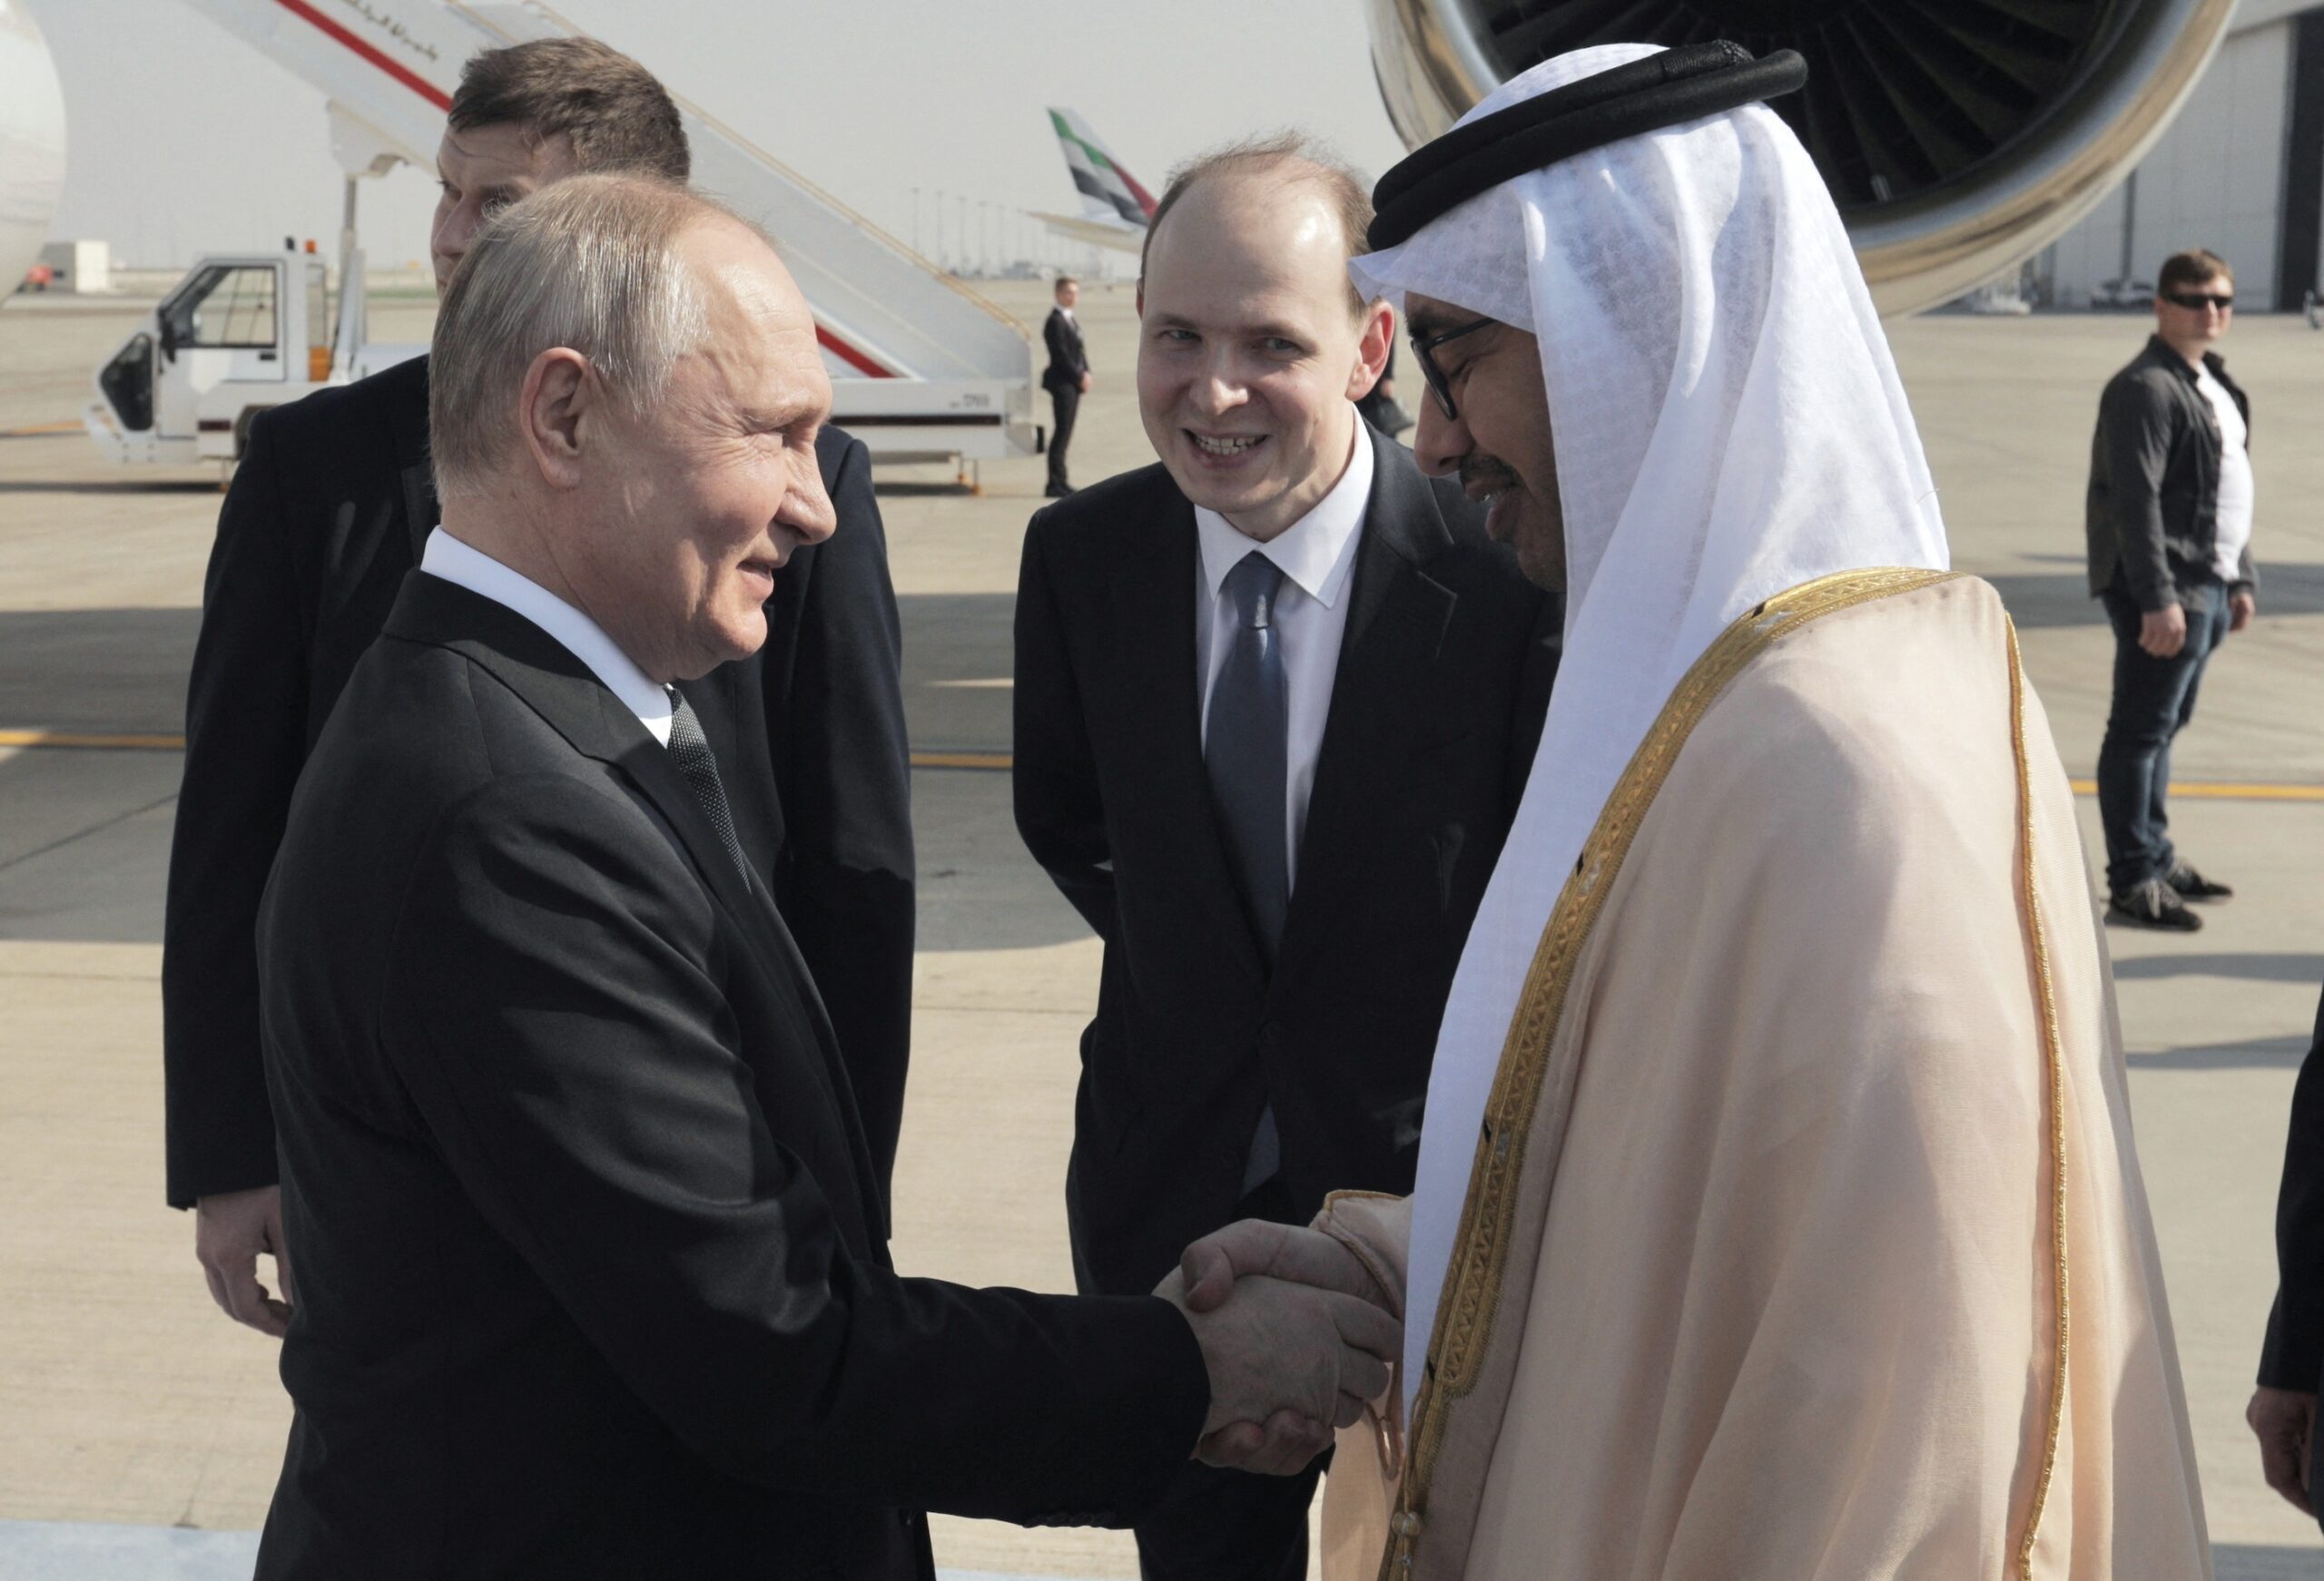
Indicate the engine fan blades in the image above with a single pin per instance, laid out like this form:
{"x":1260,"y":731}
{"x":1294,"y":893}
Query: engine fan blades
{"x":1904,"y":97}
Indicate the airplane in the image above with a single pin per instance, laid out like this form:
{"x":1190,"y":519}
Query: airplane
{"x":1115,"y":209}
{"x":32,"y":144}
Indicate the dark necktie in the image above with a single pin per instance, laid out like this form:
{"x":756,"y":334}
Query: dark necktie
{"x":690,"y":752}
{"x":1245,"y":749}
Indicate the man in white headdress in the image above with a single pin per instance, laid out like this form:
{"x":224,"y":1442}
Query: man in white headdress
{"x":1778,"y":1216}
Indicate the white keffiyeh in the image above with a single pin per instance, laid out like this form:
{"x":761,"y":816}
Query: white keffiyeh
{"x":1727,"y":424}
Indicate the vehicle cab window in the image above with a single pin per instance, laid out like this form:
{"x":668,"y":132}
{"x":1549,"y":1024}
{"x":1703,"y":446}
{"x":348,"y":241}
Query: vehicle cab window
{"x":225,"y":307}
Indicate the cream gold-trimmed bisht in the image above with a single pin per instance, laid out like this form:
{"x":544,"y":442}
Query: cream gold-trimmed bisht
{"x":1779,"y":1217}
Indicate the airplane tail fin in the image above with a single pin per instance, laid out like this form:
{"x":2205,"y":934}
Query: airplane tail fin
{"x":1109,"y":194}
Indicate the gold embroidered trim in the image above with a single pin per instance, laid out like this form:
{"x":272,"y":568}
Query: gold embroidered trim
{"x":1480,"y":1253}
{"x":2053,"y":1055}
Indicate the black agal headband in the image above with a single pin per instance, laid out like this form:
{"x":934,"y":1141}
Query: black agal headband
{"x":1638,"y":97}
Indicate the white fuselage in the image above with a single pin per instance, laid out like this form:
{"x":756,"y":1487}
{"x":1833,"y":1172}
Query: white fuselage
{"x":32,"y":142}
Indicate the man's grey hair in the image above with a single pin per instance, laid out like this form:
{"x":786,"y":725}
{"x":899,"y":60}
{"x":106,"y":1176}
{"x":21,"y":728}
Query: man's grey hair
{"x":588,"y":263}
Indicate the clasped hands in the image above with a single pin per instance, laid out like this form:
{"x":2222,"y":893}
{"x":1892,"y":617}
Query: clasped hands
{"x":1296,"y":1333}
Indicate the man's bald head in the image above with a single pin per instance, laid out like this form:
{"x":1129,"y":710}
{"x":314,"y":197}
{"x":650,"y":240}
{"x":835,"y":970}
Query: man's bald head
{"x":1260,"y":164}
{"x":1252,"y":344}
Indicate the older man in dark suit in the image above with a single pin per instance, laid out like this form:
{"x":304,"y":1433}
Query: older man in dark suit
{"x":592,"y":1276}
{"x":330,"y":509}
{"x":1277,"y":702}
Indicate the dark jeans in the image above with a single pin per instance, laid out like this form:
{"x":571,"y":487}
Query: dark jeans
{"x":1065,"y":401}
{"x":1232,"y":1526}
{"x":2153,"y":699}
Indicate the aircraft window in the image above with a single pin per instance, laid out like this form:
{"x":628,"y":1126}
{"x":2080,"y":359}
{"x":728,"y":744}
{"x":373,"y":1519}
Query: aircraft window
{"x":232,"y":307}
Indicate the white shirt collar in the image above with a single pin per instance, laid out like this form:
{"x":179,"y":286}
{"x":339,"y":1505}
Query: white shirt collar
{"x":1313,"y":551}
{"x":470,"y":567}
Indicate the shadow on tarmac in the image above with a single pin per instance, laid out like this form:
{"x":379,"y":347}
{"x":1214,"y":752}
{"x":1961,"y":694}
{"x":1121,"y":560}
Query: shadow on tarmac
{"x":2254,"y":1562}
{"x":2040,"y":600}
{"x":2252,"y":967}
{"x":112,"y":485}
{"x":898,"y":488}
{"x":96,"y":671}
{"x":123,"y":671}
{"x":2281,"y":1053}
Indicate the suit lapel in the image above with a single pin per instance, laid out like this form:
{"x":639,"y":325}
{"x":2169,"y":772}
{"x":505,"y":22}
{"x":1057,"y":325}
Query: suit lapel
{"x":1153,"y":604}
{"x":647,"y":764}
{"x":1396,"y":620}
{"x":565,"y":693}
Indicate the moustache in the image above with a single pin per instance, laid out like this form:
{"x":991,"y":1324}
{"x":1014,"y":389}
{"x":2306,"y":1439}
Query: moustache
{"x":1486,"y":473}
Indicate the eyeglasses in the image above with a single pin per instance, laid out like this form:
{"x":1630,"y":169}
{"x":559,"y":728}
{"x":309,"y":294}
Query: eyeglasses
{"x":2196,"y":301}
{"x":1424,"y":353}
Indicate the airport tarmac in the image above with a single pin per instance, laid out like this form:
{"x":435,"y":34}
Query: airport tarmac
{"x":135,"y":1418}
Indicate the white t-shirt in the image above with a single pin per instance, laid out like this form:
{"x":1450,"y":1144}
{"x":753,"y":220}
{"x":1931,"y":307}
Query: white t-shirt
{"x":2234,"y":478}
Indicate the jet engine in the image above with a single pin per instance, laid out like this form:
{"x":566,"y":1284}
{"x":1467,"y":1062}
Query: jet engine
{"x":1959,"y":137}
{"x":32,"y":142}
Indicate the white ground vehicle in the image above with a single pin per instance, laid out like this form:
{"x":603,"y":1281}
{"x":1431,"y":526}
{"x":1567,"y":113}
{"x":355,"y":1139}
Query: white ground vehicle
{"x":922,"y":368}
{"x":240,"y":333}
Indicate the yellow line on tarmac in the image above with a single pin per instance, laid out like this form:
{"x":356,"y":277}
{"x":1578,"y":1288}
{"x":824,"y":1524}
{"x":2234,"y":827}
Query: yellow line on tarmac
{"x":2225,"y":790}
{"x":57,"y":738}
{"x":963,"y":761}
{"x":164,"y":743}
{"x":36,"y":430}
{"x":2194,"y":789}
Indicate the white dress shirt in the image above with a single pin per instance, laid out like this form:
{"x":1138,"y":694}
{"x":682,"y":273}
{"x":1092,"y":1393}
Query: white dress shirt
{"x":1317,"y":557}
{"x":470,"y":567}
{"x":2235,"y":491}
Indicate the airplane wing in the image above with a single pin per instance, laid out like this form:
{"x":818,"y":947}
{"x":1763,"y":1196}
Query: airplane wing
{"x":1096,"y":233}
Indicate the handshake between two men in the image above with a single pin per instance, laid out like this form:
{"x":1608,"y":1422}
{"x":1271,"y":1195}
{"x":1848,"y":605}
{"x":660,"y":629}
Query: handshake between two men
{"x":1298,"y":1337}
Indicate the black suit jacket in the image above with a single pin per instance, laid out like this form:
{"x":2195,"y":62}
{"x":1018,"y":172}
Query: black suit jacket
{"x":1436,"y":708}
{"x":326,"y":516}
{"x":2292,"y":1356}
{"x":591,"y":1275}
{"x":1067,"y":358}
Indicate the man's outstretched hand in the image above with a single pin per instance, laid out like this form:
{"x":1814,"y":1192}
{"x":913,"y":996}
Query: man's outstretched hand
{"x":1288,"y":1363}
{"x":1237,"y":1274}
{"x":1288,"y":1252}
{"x":230,"y":1229}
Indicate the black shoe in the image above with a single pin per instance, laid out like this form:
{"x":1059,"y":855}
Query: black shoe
{"x":1057,"y":491}
{"x":2192,"y":885}
{"x":2154,"y":904}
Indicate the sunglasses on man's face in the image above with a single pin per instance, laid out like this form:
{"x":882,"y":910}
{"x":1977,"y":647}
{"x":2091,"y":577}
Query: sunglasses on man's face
{"x":2196,"y":301}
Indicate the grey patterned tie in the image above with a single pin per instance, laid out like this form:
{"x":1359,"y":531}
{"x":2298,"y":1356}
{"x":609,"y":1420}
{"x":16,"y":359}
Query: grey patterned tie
{"x":1245,"y":749}
{"x":690,"y":752}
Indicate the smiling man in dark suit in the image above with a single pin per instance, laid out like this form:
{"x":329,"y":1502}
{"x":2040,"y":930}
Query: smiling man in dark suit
{"x":593,"y":1277}
{"x":1277,"y":701}
{"x":330,"y":508}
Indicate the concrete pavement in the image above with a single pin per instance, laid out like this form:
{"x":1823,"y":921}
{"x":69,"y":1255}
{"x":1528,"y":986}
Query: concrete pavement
{"x":127,"y":1399}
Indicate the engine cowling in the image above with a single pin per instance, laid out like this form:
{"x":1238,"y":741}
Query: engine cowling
{"x":32,"y":142}
{"x":1959,"y":137}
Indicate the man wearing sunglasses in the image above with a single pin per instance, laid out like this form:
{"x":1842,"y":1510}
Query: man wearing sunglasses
{"x":2170,"y":536}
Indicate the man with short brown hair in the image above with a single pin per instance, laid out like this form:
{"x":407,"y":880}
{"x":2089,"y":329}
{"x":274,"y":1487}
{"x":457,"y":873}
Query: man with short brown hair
{"x":330,"y":509}
{"x":608,"y":109}
{"x":2169,"y":528}
{"x":1276,"y":702}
